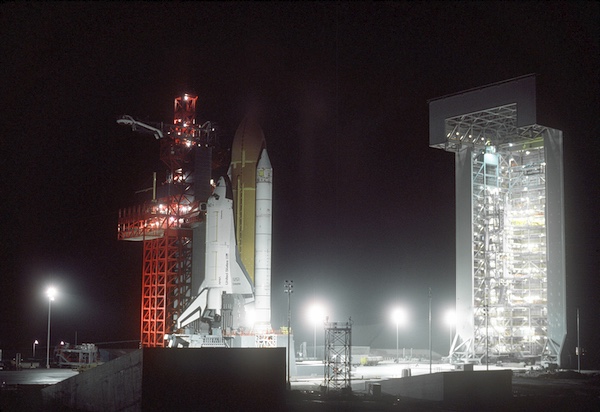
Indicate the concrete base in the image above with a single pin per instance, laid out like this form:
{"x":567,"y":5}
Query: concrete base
{"x":115,"y":385}
{"x":479,"y":387}
{"x":157,"y":379}
{"x":281,"y":341}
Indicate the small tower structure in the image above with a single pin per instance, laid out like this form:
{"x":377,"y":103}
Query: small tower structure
{"x":338,"y":355}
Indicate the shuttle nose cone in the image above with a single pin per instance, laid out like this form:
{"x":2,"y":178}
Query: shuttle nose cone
{"x":264,"y":162}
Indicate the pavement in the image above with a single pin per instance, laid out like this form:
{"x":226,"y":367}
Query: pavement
{"x":310,"y":374}
{"x":309,"y":377}
{"x":38,"y":376}
{"x":532,"y":389}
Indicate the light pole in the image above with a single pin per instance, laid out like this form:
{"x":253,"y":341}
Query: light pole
{"x":51,"y":292}
{"x":316,"y":314}
{"x":429,"y":330}
{"x":398,"y":316}
{"x":315,"y":341}
{"x":35,"y":342}
{"x":450,"y":321}
{"x":288,"y":288}
{"x":578,"y":345}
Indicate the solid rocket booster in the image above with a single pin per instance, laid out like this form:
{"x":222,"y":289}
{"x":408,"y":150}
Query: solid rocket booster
{"x":262,"y":243}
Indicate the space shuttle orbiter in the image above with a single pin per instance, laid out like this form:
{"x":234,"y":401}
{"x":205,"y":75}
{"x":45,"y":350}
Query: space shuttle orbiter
{"x":224,"y":271}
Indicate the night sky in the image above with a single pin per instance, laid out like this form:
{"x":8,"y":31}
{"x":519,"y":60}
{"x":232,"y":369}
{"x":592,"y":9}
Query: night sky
{"x":363,"y":208}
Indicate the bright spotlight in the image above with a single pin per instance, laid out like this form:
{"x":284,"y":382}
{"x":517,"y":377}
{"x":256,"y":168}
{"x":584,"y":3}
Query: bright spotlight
{"x":51,"y":293}
{"x":316,"y":313}
{"x":399,"y":316}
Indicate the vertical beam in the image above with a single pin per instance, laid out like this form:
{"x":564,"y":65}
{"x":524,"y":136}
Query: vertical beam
{"x":464,"y":252}
{"x":555,"y":235}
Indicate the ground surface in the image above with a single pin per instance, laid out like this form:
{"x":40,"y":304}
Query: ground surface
{"x":536,"y":391}
{"x":532,"y":391}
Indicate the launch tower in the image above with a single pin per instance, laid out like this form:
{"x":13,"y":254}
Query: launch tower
{"x":166,"y":224}
{"x":510,"y":259}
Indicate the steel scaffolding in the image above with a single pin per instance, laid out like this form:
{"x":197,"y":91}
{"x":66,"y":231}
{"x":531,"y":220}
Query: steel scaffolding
{"x":338,"y":356}
{"x":509,"y":251}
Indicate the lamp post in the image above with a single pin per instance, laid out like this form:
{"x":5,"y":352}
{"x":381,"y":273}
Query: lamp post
{"x":51,"y":292}
{"x":35,"y":342}
{"x":450,"y":321}
{"x":316,"y":314}
{"x":578,"y":345}
{"x":398,"y":316}
{"x":288,"y":288}
{"x":429,"y":330}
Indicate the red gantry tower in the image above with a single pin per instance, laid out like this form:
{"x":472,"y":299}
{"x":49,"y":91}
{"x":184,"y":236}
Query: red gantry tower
{"x":167,"y":223}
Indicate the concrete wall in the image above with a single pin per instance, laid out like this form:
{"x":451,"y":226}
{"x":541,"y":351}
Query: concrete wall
{"x":473,"y":388}
{"x":113,"y":386}
{"x":214,"y":379}
{"x":159,"y":379}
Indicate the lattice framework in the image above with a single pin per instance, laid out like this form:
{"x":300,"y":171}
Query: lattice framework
{"x":166,"y":285}
{"x":338,"y":356}
{"x":508,"y":196}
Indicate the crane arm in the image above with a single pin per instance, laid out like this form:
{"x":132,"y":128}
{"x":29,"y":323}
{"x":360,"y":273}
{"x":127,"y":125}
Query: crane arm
{"x":205,"y":134}
{"x":136,"y":125}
